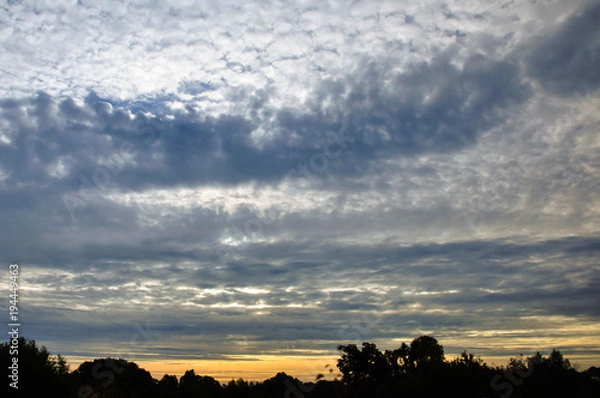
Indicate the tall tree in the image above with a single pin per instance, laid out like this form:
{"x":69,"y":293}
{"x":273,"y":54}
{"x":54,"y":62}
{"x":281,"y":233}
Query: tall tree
{"x":38,"y":370}
{"x":366,"y":365}
{"x":425,"y":351}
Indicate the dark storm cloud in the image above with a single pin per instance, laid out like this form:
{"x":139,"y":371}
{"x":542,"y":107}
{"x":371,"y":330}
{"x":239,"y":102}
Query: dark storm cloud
{"x":568,"y":60}
{"x":433,"y":107}
{"x":64,"y":158}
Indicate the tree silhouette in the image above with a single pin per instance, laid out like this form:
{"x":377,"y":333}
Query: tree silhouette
{"x":398,"y":360}
{"x":110,"y":377}
{"x":238,"y":389}
{"x":193,"y":385}
{"x":38,"y":369}
{"x":367,"y":365}
{"x":416,"y":370}
{"x":282,"y":385}
{"x":425,"y":352}
{"x":558,"y":363}
{"x":167,"y":386}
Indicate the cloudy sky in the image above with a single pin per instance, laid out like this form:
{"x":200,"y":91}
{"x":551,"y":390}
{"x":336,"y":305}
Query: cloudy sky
{"x":239,"y":187}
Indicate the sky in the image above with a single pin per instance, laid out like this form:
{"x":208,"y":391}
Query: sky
{"x":240,"y":187}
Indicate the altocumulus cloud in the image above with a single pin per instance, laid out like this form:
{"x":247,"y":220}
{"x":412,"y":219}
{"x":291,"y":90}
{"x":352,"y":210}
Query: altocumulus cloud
{"x":308,"y":175}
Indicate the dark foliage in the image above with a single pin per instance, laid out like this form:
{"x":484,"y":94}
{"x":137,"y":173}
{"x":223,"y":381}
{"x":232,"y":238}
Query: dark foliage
{"x":38,"y":370}
{"x":416,"y":370}
{"x":111,"y":377}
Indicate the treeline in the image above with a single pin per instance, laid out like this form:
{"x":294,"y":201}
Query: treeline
{"x":421,"y":370}
{"x":418,"y":369}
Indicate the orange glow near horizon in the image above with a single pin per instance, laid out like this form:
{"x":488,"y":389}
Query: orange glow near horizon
{"x":258,"y":368}
{"x":249,"y":368}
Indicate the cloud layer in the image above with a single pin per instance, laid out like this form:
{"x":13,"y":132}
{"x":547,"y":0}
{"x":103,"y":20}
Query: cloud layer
{"x":259,"y":179}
